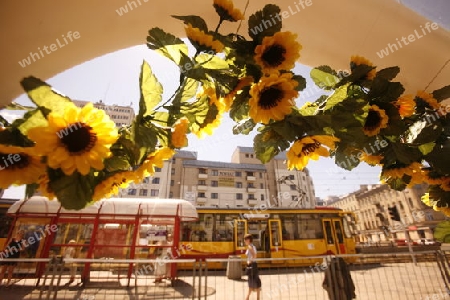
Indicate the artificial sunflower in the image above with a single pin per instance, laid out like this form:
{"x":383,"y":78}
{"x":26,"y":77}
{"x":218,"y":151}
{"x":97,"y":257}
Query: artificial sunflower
{"x":201,"y":39}
{"x":19,"y":165}
{"x":179,"y":132}
{"x":414,"y":170}
{"x":375,"y":121}
{"x":228,"y":99}
{"x":372,"y":160}
{"x":445,"y":185}
{"x":225,"y":9}
{"x":278,"y":52}
{"x":356,"y":60}
{"x":272,"y":98}
{"x":212,"y":120}
{"x":428,"y":99}
{"x":111,"y":185}
{"x":310,"y":147}
{"x":76,"y":141}
{"x":433,"y":178}
{"x":155,"y":159}
{"x":406,"y":105}
{"x":44,"y":187}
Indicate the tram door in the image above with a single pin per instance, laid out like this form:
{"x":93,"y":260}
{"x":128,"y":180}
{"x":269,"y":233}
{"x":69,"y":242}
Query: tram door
{"x":334,"y":236}
{"x":276,"y":240}
{"x":240,"y":230}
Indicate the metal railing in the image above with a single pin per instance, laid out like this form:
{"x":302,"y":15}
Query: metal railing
{"x":374,"y":276}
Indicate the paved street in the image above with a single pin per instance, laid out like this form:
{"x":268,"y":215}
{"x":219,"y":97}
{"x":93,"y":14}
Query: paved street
{"x":388,"y":281}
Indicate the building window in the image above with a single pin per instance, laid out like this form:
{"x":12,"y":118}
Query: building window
{"x":201,"y":195}
{"x":154,"y":193}
{"x":238,"y":174}
{"x":171,"y":195}
{"x":155,"y":180}
{"x":293,"y":187}
{"x":174,"y":160}
{"x":202,"y":182}
{"x":215,"y":173}
{"x":261,"y":185}
{"x":262,"y":197}
{"x":260,"y":175}
{"x":214,"y":196}
{"x":132,"y":192}
{"x":250,"y":174}
{"x":251,"y":185}
{"x":246,"y":155}
{"x":239,"y":185}
{"x":239,"y":196}
{"x":291,"y":177}
{"x":172,"y":182}
{"x":202,"y":171}
{"x":172,"y":171}
{"x":157,"y":169}
{"x":143,"y":192}
{"x":214,"y":183}
{"x":251,"y":155}
{"x":146,"y":180}
{"x":251,"y":197}
{"x":294,"y":198}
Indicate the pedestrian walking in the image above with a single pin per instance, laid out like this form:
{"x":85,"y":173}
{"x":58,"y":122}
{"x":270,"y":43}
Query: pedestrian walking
{"x":254,"y":282}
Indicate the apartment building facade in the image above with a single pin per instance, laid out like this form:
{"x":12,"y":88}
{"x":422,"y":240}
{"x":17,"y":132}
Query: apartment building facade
{"x":374,"y":224}
{"x":121,"y":115}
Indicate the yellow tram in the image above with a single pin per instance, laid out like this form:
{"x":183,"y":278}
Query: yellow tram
{"x":277,"y":233}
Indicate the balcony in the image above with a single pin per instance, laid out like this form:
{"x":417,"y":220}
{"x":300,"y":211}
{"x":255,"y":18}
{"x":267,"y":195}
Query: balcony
{"x":251,"y":190}
{"x":251,"y":178}
{"x":202,"y":187}
{"x":252,"y":202}
{"x":202,"y":176}
{"x":202,"y":200}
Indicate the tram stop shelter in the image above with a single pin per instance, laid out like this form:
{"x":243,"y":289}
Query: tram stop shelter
{"x":123,"y":228}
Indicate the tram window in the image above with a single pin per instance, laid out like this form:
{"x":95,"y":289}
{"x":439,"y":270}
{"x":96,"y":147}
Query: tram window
{"x":330,"y":239}
{"x":310,"y":229}
{"x":340,"y":236}
{"x":288,"y":228}
{"x":6,"y":224}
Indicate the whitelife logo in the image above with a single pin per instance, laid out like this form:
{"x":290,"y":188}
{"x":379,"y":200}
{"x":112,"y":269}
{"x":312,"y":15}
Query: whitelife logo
{"x":34,"y":56}
{"x":411,"y":38}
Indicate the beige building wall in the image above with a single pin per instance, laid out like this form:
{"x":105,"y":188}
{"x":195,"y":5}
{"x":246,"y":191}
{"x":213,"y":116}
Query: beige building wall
{"x":370,"y":205}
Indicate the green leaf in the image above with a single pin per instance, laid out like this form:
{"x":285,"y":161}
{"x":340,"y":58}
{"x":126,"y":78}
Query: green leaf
{"x":17,"y":106}
{"x":166,"y":44}
{"x":442,"y":94}
{"x":31,"y":119}
{"x":337,"y":97}
{"x":264,"y":23}
{"x":439,"y":158}
{"x":267,"y":144}
{"x":151,"y":90}
{"x":388,"y":73}
{"x":30,"y":190}
{"x":385,"y":91}
{"x":427,"y":148}
{"x":195,"y":21}
{"x":301,"y":82}
{"x":188,"y":91}
{"x":422,"y":132}
{"x":160,"y":118}
{"x":244,"y":127}
{"x":74,"y":191}
{"x":115,"y":163}
{"x":345,"y":160}
{"x":442,"y":232}
{"x":239,"y":108}
{"x":324,"y":77}
{"x":44,"y":96}
{"x":208,"y":61}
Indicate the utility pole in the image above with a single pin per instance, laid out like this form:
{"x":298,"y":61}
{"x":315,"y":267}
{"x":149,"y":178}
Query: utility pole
{"x":395,"y":216}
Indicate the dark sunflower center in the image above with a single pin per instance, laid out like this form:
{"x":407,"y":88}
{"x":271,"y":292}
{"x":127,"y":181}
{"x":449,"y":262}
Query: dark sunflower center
{"x":120,"y":182}
{"x":270,"y":96}
{"x":14,"y":161}
{"x":310,"y":148}
{"x":274,"y":56}
{"x":79,"y":138}
{"x":373,"y":120}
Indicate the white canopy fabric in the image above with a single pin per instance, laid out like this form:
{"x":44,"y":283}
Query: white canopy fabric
{"x":122,"y":206}
{"x":330,"y":32}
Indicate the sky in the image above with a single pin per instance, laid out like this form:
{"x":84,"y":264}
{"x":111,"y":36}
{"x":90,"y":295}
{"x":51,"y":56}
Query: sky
{"x":114,"y":78}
